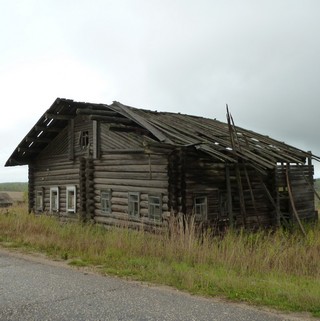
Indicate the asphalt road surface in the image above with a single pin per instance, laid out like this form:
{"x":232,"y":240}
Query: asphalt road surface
{"x":37,"y":289}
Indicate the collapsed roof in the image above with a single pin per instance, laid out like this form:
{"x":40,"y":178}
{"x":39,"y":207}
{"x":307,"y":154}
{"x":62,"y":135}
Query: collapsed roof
{"x":223,"y":141}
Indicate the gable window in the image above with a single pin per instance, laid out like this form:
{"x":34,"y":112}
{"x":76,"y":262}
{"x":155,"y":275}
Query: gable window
{"x":39,"y":200}
{"x":200,"y":207}
{"x":84,"y":139}
{"x":155,"y":207}
{"x":134,"y":208}
{"x":71,"y":199}
{"x":54,"y":199}
{"x":106,"y":201}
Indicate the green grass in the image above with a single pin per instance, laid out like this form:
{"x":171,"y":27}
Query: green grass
{"x":276,"y":269}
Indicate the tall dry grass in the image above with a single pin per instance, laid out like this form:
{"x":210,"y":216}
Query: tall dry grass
{"x":276,"y":268}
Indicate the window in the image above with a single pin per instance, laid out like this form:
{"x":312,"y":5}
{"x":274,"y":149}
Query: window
{"x":134,"y":208}
{"x":71,"y":199}
{"x":84,"y":139}
{"x":54,"y":199}
{"x":155,"y":207}
{"x":106,"y":201}
{"x":39,"y":200}
{"x":200,"y":207}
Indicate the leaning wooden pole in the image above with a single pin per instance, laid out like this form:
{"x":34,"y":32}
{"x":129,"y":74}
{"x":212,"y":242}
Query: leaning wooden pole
{"x":229,"y":197}
{"x":232,"y":130}
{"x":252,"y":195}
{"x":292,"y":201}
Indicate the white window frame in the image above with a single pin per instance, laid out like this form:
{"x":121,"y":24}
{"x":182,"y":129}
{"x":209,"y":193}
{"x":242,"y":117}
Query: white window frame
{"x":133,"y":210}
{"x":200,"y":208}
{"x":105,"y":199}
{"x":73,"y":208}
{"x":52,"y":207}
{"x":153,"y":206}
{"x":39,"y":200}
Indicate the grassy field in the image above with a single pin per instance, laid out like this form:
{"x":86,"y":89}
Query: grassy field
{"x":14,"y":187}
{"x":276,"y":269}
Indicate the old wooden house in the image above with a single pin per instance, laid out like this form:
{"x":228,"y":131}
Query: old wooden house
{"x":5,"y":200}
{"x":115,"y":163}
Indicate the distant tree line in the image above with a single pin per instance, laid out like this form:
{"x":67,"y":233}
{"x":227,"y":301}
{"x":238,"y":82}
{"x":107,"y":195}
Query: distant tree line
{"x":14,"y":187}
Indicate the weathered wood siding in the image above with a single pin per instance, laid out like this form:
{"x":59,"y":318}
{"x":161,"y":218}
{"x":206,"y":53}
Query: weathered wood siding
{"x":192,"y":174}
{"x":123,"y":158}
{"x":302,"y":186}
{"x":53,"y":167}
{"x":126,"y":166}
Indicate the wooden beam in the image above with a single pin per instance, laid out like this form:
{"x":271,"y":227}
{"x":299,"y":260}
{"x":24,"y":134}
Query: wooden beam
{"x":143,"y":122}
{"x":88,"y":111}
{"x":30,"y":139}
{"x":47,"y":129}
{"x":29,"y":149}
{"x":109,"y":119}
{"x":58,"y":116}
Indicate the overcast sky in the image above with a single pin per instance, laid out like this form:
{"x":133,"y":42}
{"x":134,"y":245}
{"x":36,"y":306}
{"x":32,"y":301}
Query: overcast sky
{"x":260,"y":57}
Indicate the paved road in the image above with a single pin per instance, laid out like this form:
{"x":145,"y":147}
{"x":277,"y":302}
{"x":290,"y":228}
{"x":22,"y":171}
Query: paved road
{"x":35,"y":289}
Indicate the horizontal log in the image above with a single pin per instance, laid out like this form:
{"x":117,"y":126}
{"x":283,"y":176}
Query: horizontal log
{"x":118,"y":188}
{"x":144,"y":212}
{"x":57,"y":174}
{"x":132,"y":182}
{"x":60,"y":162}
{"x":142,"y":160}
{"x":119,"y":208}
{"x":144,"y":204}
{"x":95,"y":112}
{"x":120,"y":200}
{"x":132,"y":168}
{"x":119,"y":194}
{"x":56,"y":180}
{"x":165,"y":207}
{"x":143,"y":197}
{"x":129,"y":156}
{"x":132,"y":175}
{"x":31,"y":149}
{"x":30,"y":139}
{"x":47,"y":129}
{"x":58,"y":116}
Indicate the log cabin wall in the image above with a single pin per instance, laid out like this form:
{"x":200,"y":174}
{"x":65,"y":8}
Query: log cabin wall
{"x":247,"y":205}
{"x":53,"y":168}
{"x":166,"y":162}
{"x":126,"y":166}
{"x":31,"y":189}
{"x":300,"y":179}
{"x":176,"y":183}
{"x":251,"y":196}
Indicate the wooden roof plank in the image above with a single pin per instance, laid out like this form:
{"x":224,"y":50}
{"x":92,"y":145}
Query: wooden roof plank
{"x":129,"y":113}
